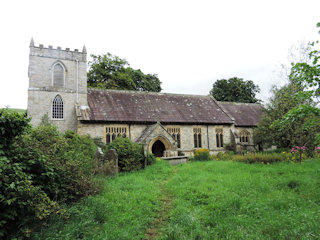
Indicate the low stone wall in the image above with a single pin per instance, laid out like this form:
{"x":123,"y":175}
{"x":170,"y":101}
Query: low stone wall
{"x":176,"y":160}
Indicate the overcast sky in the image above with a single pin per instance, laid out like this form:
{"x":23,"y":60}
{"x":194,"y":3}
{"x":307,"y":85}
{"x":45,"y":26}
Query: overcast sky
{"x":189,"y":44}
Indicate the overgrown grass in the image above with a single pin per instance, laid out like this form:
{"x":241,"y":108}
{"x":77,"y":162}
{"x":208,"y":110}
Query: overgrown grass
{"x":209,"y":200}
{"x":230,"y":200}
{"x":126,"y":207}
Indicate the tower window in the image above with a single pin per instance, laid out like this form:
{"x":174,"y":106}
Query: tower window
{"x":58,"y":75}
{"x":57,"y":108}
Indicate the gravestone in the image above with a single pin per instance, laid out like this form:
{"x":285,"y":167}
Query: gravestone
{"x":112,"y":158}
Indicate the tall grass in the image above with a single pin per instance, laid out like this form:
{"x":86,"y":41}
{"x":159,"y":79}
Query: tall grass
{"x":126,"y":207}
{"x":209,"y":200}
{"x":230,"y":200}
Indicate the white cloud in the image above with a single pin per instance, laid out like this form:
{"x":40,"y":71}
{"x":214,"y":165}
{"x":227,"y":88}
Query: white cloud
{"x":189,"y":44}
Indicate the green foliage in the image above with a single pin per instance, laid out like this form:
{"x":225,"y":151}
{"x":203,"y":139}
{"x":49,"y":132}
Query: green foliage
{"x":38,"y":169}
{"x":151,"y":159}
{"x":45,"y":120}
{"x":20,"y":200}
{"x":235,"y":90}
{"x":12,"y":124}
{"x":111,"y":72}
{"x":202,"y":154}
{"x":305,"y":116}
{"x":283,"y":100}
{"x":130,"y":154}
{"x":263,"y":158}
{"x":62,"y":165}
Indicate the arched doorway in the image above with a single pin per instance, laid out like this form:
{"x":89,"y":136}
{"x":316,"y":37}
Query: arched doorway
{"x":158,"y":148}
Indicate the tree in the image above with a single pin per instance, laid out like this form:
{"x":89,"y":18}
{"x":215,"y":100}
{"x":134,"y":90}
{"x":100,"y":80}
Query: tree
{"x":235,"y":90}
{"x":111,"y":72}
{"x":283,"y":99}
{"x":307,"y":76}
{"x":288,"y":120}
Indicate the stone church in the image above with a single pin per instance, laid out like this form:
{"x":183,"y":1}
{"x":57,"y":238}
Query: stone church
{"x":164,"y":123}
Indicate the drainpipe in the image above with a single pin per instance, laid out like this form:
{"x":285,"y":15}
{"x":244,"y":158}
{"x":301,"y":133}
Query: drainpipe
{"x":77,"y":79}
{"x":208,"y":138}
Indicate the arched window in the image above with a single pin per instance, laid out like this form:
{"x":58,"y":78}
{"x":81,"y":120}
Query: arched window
{"x":175,"y":133}
{"x":219,"y":137}
{"x":58,"y":75}
{"x":197,"y":137}
{"x":244,"y":136}
{"x":57,"y":108}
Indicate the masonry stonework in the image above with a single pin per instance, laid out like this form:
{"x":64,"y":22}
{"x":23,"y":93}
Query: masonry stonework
{"x":42,"y":91}
{"x":147,"y":118}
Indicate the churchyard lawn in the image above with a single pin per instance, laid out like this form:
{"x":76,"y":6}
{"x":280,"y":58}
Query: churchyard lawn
{"x":199,"y":200}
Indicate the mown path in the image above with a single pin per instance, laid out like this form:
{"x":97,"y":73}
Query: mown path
{"x":166,"y":206}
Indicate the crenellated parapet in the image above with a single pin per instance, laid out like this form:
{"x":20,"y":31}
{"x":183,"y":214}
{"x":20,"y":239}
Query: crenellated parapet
{"x":59,"y":53}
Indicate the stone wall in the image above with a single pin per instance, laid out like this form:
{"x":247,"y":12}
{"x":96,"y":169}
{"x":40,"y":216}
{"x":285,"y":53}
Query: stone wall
{"x":187,"y":143}
{"x":250,"y":146}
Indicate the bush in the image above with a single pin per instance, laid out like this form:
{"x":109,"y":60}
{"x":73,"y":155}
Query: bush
{"x":130,"y":154}
{"x":38,"y":169}
{"x":223,"y":156}
{"x":263,"y":158}
{"x":62,"y":165}
{"x":201,"y":155}
{"x":151,"y":159}
{"x":20,"y":200}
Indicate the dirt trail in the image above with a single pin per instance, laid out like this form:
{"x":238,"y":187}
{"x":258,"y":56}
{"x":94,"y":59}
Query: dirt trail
{"x":166,"y":206}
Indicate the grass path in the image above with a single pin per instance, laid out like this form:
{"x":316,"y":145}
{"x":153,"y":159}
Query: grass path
{"x":166,"y":206}
{"x":198,"y":200}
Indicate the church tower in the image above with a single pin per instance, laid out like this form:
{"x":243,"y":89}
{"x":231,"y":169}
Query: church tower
{"x":57,"y":85}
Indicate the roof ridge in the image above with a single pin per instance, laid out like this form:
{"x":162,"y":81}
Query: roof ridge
{"x":239,"y":103}
{"x":151,"y":93}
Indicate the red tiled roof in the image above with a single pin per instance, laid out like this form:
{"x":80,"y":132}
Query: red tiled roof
{"x":130,"y":106}
{"x":244,"y":114}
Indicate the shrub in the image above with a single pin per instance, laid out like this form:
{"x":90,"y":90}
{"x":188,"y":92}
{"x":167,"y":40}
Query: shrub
{"x":62,"y":165}
{"x":12,"y":125}
{"x":20,"y":200}
{"x":151,"y":159}
{"x":263,"y":158}
{"x":201,"y":155}
{"x":38,"y":169}
{"x":223,"y":156}
{"x":130,"y":154}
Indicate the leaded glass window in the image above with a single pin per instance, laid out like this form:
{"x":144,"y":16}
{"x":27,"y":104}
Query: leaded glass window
{"x":57,"y":108}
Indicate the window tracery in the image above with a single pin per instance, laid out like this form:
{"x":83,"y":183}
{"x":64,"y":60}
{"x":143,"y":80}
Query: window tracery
{"x":175,"y":133}
{"x":244,"y":136}
{"x":116,"y":131}
{"x":197,"y":138}
{"x":219,"y":137}
{"x":57,"y":108}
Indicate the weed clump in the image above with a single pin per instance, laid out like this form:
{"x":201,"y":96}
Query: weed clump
{"x":202,"y":154}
